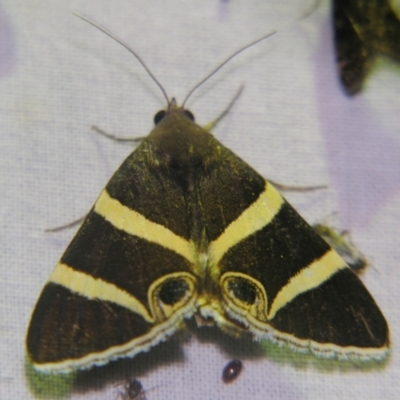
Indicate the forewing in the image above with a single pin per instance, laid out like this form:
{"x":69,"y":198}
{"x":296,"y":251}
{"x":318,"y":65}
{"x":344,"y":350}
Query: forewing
{"x":125,"y":282}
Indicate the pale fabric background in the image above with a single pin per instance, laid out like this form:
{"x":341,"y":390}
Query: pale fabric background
{"x":293,"y":123}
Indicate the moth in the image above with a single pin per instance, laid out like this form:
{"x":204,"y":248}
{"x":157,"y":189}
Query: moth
{"x":185,"y":227}
{"x":363,"y":29}
{"x":232,"y":370}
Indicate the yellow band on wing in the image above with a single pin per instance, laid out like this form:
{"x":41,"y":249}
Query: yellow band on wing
{"x":308,"y":278}
{"x":134,"y":223}
{"x":254,"y":218}
{"x":94,"y":288}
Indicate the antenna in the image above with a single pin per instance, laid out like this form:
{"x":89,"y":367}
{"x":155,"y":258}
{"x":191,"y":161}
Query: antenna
{"x":130,"y":49}
{"x":225,"y":62}
{"x":121,"y":42}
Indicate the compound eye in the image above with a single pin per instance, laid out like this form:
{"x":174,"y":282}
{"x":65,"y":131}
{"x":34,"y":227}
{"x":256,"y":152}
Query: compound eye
{"x":189,"y":115}
{"x":159,"y":117}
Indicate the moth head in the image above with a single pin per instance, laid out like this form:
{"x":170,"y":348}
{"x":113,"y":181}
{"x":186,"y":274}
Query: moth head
{"x":172,"y":107}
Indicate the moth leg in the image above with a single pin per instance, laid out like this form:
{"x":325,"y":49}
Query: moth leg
{"x":66,"y":226}
{"x":109,"y":136}
{"x":309,"y":10}
{"x":212,"y":124}
{"x":289,"y":188}
{"x":116,"y":138}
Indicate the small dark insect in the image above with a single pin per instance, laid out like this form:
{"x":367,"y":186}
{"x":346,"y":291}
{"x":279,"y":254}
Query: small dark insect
{"x":340,"y":241}
{"x":363,"y":29}
{"x":231,"y":371}
{"x":133,"y":390}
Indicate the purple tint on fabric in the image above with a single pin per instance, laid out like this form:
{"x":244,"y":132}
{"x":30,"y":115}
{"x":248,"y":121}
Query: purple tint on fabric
{"x":223,"y":10}
{"x":7,"y":44}
{"x":363,"y":160}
